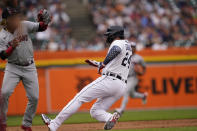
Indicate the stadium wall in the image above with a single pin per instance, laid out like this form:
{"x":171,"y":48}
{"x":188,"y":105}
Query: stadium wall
{"x":171,"y":79}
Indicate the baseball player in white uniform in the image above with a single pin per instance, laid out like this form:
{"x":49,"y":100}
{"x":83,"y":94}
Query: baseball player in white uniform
{"x":132,"y":80}
{"x":16,"y":47}
{"x":107,"y":89}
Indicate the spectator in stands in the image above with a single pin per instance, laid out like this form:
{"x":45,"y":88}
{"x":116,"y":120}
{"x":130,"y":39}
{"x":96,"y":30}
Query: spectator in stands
{"x":156,"y":24}
{"x":60,"y":16}
{"x":52,"y":38}
{"x":53,"y":46}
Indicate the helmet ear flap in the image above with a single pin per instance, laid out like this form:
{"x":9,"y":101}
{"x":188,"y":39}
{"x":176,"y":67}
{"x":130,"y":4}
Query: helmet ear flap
{"x":111,"y":37}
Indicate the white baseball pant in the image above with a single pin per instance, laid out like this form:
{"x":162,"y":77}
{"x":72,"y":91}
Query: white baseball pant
{"x":105,"y":89}
{"x":130,"y":91}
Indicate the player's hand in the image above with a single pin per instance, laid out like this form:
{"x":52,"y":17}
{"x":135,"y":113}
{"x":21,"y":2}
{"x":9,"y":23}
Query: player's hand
{"x":15,"y":42}
{"x":100,"y":67}
{"x":92,"y":62}
{"x":139,"y":69}
{"x":44,"y":16}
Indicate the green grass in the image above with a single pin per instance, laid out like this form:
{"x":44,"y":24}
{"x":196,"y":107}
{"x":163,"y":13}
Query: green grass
{"x":127,"y":116}
{"x":162,"y":129}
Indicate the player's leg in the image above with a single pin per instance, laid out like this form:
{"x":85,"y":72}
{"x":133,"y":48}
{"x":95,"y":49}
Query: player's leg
{"x":92,"y":91}
{"x":124,"y":102}
{"x":10,"y":80}
{"x":99,"y":109}
{"x":126,"y":96}
{"x":142,"y":96}
{"x":114,"y":90}
{"x":135,"y":94}
{"x":30,"y":82}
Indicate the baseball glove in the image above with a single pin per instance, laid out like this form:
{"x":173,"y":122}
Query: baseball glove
{"x":44,"y":16}
{"x":139,"y":69}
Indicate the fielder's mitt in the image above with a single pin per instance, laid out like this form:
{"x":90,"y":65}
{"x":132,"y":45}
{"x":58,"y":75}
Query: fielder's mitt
{"x":44,"y":16}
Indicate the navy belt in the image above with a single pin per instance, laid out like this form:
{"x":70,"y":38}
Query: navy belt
{"x":115,"y":75}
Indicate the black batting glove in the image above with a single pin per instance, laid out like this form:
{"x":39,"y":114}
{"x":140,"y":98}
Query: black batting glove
{"x":100,"y":67}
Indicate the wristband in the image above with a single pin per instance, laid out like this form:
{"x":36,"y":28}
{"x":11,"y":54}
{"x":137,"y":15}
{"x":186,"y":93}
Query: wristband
{"x":9,"y":50}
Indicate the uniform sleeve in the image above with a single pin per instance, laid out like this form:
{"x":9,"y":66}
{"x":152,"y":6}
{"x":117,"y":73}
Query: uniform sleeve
{"x":3,"y":49}
{"x":142,"y":62}
{"x":2,"y":45}
{"x":113,"y":52}
{"x":31,"y":26}
{"x":117,"y":43}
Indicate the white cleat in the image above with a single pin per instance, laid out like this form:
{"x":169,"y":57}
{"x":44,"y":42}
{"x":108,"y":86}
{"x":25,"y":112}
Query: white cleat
{"x":112,"y":121}
{"x":46,"y":120}
{"x":144,"y":99}
{"x":119,"y":111}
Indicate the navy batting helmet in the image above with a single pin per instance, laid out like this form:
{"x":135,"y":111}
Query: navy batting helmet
{"x":7,"y":12}
{"x":114,"y":32}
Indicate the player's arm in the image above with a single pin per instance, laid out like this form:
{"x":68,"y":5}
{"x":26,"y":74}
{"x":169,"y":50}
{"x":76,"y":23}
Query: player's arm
{"x":142,"y":64}
{"x":141,"y":72}
{"x":113,"y":52}
{"x":43,"y":20}
{"x":6,"y":52}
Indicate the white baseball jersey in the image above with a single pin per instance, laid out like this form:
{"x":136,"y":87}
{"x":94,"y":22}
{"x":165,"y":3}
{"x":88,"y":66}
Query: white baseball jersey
{"x":107,"y":90}
{"x":121,"y":63}
{"x":132,"y":82}
{"x":24,"y":51}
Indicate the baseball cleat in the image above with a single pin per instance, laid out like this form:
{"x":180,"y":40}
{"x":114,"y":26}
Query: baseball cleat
{"x":119,"y":111}
{"x":26,"y":128}
{"x":3,"y":127}
{"x":144,"y":99}
{"x":112,"y":121}
{"x":45,"y":119}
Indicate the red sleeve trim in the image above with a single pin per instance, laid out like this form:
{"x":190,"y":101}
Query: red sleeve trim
{"x":9,"y":50}
{"x":42,"y":26}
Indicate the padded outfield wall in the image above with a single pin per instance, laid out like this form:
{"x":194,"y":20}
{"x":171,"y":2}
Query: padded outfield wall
{"x":170,"y":80}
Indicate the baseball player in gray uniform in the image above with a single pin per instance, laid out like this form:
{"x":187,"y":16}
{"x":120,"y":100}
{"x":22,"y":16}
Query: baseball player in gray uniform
{"x":16,"y":47}
{"x":107,"y":89}
{"x":132,"y":80}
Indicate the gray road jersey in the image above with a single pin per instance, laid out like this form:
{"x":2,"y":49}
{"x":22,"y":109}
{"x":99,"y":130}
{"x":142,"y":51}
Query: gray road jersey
{"x":135,"y":59}
{"x":24,"y":51}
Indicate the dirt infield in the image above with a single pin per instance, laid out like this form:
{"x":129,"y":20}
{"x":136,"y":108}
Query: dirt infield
{"x":120,"y":125}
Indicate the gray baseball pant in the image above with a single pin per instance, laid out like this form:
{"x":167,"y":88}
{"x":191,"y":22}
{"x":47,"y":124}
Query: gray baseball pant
{"x":28,"y":76}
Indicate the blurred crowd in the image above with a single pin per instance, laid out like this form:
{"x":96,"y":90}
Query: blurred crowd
{"x":58,"y":34}
{"x":155,"y":24}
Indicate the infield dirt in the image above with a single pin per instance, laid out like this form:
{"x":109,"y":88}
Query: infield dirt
{"x":120,"y":125}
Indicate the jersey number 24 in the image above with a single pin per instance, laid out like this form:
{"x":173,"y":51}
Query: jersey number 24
{"x":127,"y":60}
